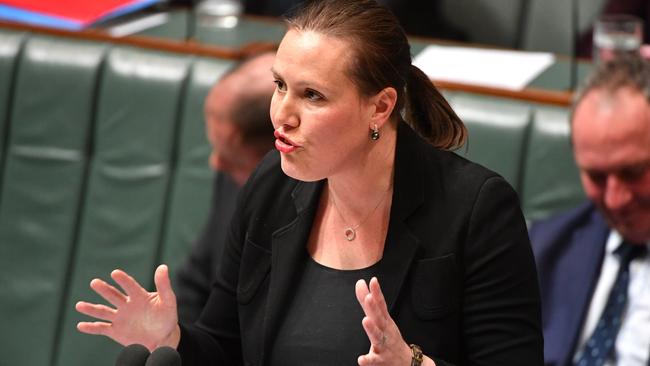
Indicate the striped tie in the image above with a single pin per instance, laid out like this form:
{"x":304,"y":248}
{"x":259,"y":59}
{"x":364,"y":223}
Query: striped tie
{"x":600,"y":345}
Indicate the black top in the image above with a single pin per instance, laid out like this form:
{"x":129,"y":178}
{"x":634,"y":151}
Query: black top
{"x":322,"y":325}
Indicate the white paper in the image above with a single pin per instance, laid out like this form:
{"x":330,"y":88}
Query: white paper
{"x":494,"y":68}
{"x":138,"y":25}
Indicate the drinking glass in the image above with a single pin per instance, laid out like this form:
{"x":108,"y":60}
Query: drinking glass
{"x":616,"y":34}
{"x":219,"y":13}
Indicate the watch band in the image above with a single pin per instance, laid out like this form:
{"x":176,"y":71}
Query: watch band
{"x":417,"y":357}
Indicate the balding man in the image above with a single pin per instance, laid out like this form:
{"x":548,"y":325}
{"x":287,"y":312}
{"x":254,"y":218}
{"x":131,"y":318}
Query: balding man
{"x":239,"y":129}
{"x":592,"y":262}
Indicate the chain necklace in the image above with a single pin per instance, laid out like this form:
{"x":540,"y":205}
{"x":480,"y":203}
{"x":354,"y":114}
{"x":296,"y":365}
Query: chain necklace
{"x":350,"y":231}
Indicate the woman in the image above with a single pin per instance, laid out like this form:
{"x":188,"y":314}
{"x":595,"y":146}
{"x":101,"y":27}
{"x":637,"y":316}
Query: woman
{"x":354,"y":193}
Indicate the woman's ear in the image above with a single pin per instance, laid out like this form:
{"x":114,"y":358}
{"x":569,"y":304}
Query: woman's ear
{"x":383,"y":104}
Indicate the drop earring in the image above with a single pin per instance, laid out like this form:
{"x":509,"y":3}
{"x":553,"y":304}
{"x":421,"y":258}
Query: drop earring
{"x":374,"y":134}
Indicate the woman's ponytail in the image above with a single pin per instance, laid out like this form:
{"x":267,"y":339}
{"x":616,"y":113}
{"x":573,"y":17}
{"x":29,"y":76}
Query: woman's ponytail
{"x":429,"y":113}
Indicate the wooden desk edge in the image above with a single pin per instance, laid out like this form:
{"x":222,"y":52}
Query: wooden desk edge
{"x":189,"y":47}
{"x":559,"y":98}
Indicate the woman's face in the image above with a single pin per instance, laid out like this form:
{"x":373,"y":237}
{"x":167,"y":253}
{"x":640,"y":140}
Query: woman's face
{"x":321,"y":121}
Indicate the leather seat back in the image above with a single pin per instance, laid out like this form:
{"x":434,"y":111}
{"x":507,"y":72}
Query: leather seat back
{"x":42,"y":190}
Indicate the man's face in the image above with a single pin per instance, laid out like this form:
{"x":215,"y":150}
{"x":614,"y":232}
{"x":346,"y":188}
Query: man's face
{"x":230,"y":154}
{"x":611,"y":137}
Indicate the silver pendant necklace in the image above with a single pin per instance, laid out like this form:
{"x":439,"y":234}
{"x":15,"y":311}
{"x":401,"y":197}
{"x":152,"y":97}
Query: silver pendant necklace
{"x":350,"y":232}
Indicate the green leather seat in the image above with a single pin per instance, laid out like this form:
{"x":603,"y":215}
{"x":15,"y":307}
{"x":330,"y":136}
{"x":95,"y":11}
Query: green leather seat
{"x":192,"y":188}
{"x":10,"y":44}
{"x":551,"y":179}
{"x":497,"y":133}
{"x":494,"y":22}
{"x":549,"y":24}
{"x":248,"y":31}
{"x":42,"y":190}
{"x":133,"y":145}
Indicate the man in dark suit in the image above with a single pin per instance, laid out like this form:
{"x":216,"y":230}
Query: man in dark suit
{"x":239,"y":129}
{"x":596,"y":298}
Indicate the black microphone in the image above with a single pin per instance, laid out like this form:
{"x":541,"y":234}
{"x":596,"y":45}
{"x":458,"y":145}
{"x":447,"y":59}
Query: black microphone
{"x":132,"y":355}
{"x":164,"y":356}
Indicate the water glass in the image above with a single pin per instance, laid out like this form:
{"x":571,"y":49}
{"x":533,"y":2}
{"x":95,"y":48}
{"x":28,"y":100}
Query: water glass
{"x":616,"y":34}
{"x":219,"y":13}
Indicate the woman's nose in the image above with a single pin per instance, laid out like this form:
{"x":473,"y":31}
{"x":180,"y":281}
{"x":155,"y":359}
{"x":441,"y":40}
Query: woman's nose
{"x":284,"y":112}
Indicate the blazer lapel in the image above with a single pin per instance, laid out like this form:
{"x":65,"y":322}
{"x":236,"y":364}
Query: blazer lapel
{"x":580,"y":281}
{"x":408,"y":194}
{"x":287,"y":255}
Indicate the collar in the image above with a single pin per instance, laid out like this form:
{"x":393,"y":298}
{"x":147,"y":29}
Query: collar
{"x":614,"y":240}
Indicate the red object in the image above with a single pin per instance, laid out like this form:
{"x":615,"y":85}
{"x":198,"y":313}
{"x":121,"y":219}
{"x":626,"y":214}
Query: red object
{"x":77,"y":10}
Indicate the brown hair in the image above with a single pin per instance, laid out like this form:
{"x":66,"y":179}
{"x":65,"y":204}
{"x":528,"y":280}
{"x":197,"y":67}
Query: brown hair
{"x":626,"y":70}
{"x":382,"y":58}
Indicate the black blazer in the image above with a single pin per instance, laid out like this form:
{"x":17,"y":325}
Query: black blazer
{"x":457,"y":271}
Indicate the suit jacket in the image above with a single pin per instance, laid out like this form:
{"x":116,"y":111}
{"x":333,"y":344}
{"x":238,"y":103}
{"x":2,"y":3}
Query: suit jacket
{"x":457,"y":271}
{"x":569,"y":250}
{"x":194,"y":278}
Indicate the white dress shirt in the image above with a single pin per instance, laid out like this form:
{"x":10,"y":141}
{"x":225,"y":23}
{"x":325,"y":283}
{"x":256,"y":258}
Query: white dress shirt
{"x":633,"y":341}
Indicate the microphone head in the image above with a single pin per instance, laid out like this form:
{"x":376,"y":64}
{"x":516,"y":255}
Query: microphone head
{"x":164,"y":356}
{"x":132,"y":355}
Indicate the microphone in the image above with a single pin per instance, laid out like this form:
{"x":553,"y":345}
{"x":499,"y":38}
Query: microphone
{"x":164,"y":356}
{"x":132,"y":355}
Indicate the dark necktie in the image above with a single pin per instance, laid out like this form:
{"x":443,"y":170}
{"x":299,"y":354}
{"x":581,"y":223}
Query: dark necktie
{"x":601,"y":343}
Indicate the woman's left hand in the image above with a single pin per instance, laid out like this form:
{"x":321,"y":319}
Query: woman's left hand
{"x":386,"y":344}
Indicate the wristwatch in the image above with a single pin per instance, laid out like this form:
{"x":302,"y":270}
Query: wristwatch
{"x":417,"y":358}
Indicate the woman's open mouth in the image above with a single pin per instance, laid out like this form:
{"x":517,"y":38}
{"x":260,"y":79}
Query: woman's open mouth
{"x":283,"y":144}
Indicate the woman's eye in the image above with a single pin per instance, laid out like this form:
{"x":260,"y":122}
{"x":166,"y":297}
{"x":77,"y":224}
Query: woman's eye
{"x":279,"y":84}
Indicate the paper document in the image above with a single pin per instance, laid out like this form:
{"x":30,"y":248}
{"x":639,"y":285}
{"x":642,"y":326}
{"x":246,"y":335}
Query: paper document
{"x":138,"y":25}
{"x":494,"y":68}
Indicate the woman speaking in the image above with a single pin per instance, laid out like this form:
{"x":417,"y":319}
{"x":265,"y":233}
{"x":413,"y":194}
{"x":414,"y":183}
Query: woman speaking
{"x":362,"y":239}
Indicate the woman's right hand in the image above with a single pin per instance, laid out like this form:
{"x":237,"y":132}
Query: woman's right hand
{"x":137,"y":316}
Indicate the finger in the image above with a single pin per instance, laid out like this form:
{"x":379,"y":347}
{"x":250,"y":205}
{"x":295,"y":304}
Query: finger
{"x":361,"y":360}
{"x":376,"y":336}
{"x":367,"y":360}
{"x":83,"y":307}
{"x":98,"y":311}
{"x":378,"y":295}
{"x":97,"y":328}
{"x":361,"y":290}
{"x":130,"y":286}
{"x":108,"y":292}
{"x":373,"y":310}
{"x":163,"y":284}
